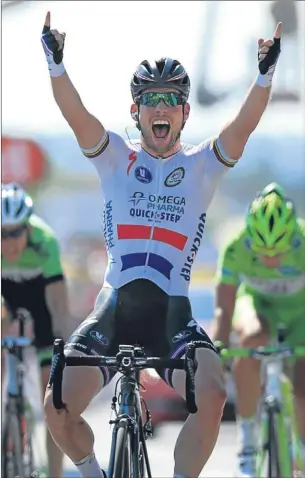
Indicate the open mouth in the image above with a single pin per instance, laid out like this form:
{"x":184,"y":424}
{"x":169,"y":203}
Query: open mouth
{"x":161,"y":128}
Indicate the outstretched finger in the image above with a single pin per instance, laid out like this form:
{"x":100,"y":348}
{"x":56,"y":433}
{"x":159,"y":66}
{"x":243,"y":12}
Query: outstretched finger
{"x":47,"y":23}
{"x":278,"y":31}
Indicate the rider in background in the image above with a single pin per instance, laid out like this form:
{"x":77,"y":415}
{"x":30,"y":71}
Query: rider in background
{"x":32,"y":278}
{"x":261,"y":284}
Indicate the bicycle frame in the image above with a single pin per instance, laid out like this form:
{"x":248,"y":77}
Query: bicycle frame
{"x":16,"y":404}
{"x":273,"y":403}
{"x":130,"y":408}
{"x":129,"y":361}
{"x":276,"y":404}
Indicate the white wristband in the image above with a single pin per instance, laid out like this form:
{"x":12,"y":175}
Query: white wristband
{"x":265,"y":81}
{"x":54,"y":69}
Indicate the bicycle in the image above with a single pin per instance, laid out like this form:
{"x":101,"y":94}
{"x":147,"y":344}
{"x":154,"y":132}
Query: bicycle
{"x":17,"y":434}
{"x":278,"y":438}
{"x":128,"y":455}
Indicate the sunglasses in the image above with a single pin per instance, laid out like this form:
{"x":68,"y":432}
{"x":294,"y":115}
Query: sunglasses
{"x":153,"y":99}
{"x":13,"y":233}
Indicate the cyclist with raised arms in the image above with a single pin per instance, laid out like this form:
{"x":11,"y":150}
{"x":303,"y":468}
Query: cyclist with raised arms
{"x":156,"y":193}
{"x":32,"y":279}
{"x":261,"y":284}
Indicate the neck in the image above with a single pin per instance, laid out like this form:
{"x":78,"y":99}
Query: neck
{"x":160,"y":155}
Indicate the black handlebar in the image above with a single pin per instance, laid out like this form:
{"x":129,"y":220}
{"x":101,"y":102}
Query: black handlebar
{"x":127,"y":360}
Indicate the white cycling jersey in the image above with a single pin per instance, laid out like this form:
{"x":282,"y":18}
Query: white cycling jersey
{"x":155,"y":210}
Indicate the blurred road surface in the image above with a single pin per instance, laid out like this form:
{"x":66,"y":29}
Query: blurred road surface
{"x":160,"y":448}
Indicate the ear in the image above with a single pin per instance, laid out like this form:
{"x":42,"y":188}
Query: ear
{"x":187,"y":109}
{"x":134,"y":112}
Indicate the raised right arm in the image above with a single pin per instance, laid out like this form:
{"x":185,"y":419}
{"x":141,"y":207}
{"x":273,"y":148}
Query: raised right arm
{"x":86,"y":127}
{"x":88,"y":130}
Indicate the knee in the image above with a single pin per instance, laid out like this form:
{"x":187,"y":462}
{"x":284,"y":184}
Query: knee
{"x":51,"y":414}
{"x":211,"y":401}
{"x":253,"y":340}
{"x":211,"y":389}
{"x":56,"y":419}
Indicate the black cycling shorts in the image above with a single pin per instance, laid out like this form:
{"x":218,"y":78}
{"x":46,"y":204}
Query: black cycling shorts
{"x":139,"y":313}
{"x":30,"y":295}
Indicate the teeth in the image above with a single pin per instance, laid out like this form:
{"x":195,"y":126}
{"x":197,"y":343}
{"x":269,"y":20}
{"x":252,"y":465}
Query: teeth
{"x":162,"y":122}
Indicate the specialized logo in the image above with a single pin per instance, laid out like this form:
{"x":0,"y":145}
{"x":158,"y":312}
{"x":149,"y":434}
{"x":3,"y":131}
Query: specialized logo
{"x":99,"y":337}
{"x":143,"y":174}
{"x":132,"y":159}
{"x":289,"y":270}
{"x":181,"y":335}
{"x":174,"y":178}
{"x":187,"y":266}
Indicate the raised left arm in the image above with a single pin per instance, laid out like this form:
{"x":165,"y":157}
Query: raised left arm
{"x":235,"y":134}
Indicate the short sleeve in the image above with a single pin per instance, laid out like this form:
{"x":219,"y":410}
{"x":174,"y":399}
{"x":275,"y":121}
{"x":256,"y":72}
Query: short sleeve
{"x":51,"y":267}
{"x":227,"y":270}
{"x":212,"y":165}
{"x":108,"y":153}
{"x":217,"y":162}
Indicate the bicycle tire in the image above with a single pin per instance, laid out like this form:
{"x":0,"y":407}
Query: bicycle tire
{"x":273,"y":452}
{"x":141,"y":461}
{"x":122,"y":456}
{"x":28,"y":454}
{"x":12,"y":457}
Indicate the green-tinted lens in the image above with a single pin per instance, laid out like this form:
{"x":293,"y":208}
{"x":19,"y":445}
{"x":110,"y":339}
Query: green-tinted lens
{"x":153,"y":99}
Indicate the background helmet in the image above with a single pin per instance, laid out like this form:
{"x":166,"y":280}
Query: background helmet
{"x":164,"y":73}
{"x":271,"y":221}
{"x":16,"y":205}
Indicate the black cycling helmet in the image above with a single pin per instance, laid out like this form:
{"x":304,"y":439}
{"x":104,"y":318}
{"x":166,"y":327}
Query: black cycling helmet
{"x":164,"y":73}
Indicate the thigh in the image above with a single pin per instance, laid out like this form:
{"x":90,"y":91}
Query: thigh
{"x":209,"y":374}
{"x":181,"y":329}
{"x":79,"y":386}
{"x":293,"y":318}
{"x":250,"y":319}
{"x":97,"y":334}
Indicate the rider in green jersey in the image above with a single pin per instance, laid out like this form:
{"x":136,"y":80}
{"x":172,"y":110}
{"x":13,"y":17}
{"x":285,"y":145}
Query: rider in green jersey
{"x":261,"y":284}
{"x":32,"y":279}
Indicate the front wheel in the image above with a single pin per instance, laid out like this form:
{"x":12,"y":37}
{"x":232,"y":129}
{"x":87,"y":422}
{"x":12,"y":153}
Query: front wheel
{"x":273,"y":451}
{"x":12,"y":456}
{"x":122,"y":457}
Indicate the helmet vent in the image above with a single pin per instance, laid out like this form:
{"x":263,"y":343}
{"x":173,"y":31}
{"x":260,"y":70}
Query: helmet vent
{"x":19,"y":210}
{"x":161,"y":65}
{"x":271,"y":223}
{"x":7,"y":206}
{"x":261,"y":237}
{"x":280,"y":237}
{"x":147,"y":66}
{"x":279,"y":210}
